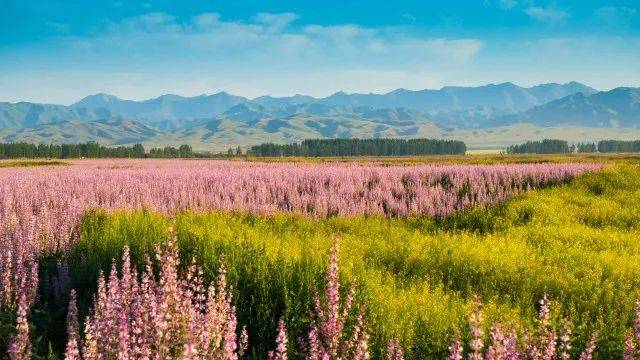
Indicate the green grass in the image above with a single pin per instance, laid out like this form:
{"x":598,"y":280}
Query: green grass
{"x":30,"y":163}
{"x":577,"y":242}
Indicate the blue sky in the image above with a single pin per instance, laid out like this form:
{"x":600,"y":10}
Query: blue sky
{"x":59,"y":51}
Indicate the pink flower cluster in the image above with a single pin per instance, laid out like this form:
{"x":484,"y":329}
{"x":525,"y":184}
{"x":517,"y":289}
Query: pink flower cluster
{"x":631,"y":344}
{"x":176,"y":317}
{"x":49,"y":202}
{"x":545,"y":343}
{"x":151,"y":319}
{"x":328,"y":338}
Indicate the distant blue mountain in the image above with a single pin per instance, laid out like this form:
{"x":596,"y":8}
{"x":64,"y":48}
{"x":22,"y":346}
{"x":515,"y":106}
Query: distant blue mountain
{"x":505,"y":97}
{"x":619,"y":107}
{"x":172,"y":111}
{"x":24,"y":114}
{"x":485,"y":116}
{"x":166,"y":111}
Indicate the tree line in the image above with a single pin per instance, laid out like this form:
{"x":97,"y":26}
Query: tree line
{"x":546,"y":146}
{"x":89,"y":150}
{"x":361,"y":147}
{"x":311,"y":147}
{"x":609,"y":146}
{"x":552,"y":146}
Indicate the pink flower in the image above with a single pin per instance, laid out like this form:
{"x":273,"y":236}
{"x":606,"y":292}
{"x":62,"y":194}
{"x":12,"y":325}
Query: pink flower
{"x":280,"y":352}
{"x":154,"y":319}
{"x":72,"y":351}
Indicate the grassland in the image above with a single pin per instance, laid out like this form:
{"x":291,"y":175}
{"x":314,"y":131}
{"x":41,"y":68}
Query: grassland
{"x":469,"y":159}
{"x":576,"y":242}
{"x":31,"y":163}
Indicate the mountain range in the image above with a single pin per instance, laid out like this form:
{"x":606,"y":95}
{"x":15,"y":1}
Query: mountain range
{"x":214,"y":122}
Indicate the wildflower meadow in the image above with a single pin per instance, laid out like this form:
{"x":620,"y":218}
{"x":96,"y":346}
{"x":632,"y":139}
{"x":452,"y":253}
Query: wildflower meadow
{"x":192,"y":259}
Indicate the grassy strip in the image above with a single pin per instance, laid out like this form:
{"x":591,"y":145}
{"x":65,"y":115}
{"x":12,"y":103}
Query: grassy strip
{"x":31,"y":163}
{"x":470,"y":159}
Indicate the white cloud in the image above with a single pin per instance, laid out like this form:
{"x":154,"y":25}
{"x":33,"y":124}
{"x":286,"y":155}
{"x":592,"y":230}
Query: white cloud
{"x":206,"y":20}
{"x":268,"y":44}
{"x":275,"y":21}
{"x":402,"y":62}
{"x":547,"y":14}
{"x":158,"y":52}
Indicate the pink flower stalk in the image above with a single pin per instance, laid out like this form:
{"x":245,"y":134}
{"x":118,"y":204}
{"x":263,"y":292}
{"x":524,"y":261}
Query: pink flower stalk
{"x":456,"y":350}
{"x":587,"y":354}
{"x":244,"y":341}
{"x":475,"y":320}
{"x":543,"y":314}
{"x":361,"y":338}
{"x":542,"y":346}
{"x":18,"y":277}
{"x":511,"y":346}
{"x":497,"y":349}
{"x":72,"y":351}
{"x":19,"y":347}
{"x":629,"y":347}
{"x":549,"y":350}
{"x":281,"y":343}
{"x":151,"y":319}
{"x":637,"y":320}
{"x":394,"y":350}
{"x":565,"y":341}
{"x":327,"y":338}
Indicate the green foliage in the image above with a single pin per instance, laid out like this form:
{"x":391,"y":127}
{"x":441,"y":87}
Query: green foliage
{"x":31,"y":163}
{"x":546,"y":146}
{"x":607,"y":146}
{"x":184,"y":151}
{"x":361,"y":147}
{"x":585,"y":147}
{"x":90,"y":150}
{"x":68,"y":151}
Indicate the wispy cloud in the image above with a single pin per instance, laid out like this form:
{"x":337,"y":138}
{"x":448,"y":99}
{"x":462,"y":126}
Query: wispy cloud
{"x":268,"y":37}
{"x":283,"y":53}
{"x":547,"y":14}
{"x":267,"y":51}
{"x":275,"y":21}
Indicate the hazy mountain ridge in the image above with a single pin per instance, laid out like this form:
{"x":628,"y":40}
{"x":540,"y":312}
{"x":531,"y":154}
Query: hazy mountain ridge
{"x":112,"y":131}
{"x":24,"y":114}
{"x":168,"y":110}
{"x":619,"y":107}
{"x":163,"y":109}
{"x":244,"y":125}
{"x":221,"y":120}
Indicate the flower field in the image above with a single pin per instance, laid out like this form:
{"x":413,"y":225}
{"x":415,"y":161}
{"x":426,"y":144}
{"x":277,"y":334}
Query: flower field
{"x":421,"y":247}
{"x":48,"y":203}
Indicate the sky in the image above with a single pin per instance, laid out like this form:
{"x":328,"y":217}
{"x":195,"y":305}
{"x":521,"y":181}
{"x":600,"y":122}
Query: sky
{"x":60,"y":51}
